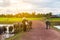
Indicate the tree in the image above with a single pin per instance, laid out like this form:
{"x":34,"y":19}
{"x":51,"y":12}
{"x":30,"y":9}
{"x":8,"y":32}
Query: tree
{"x":33,"y":14}
{"x":48,"y":15}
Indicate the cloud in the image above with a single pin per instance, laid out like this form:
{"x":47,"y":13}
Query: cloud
{"x":38,"y":1}
{"x":42,"y":6}
{"x":45,"y":6}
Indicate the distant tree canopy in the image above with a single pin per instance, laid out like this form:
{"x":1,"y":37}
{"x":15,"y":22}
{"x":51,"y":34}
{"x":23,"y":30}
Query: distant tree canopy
{"x":28,"y":15}
{"x":48,"y":15}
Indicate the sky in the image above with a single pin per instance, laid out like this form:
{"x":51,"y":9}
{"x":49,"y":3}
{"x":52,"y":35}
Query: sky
{"x":42,"y":6}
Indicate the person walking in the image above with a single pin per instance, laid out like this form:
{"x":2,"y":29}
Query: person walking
{"x":47,"y":24}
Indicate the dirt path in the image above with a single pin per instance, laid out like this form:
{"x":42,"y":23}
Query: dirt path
{"x":40,"y":33}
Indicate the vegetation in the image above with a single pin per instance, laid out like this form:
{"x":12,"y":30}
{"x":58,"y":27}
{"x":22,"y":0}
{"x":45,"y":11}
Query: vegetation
{"x":10,"y":18}
{"x":55,"y":19}
{"x":27,"y":15}
{"x":14,"y":20}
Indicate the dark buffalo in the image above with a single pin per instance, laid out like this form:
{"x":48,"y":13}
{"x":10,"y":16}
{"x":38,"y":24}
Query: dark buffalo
{"x":1,"y":30}
{"x":10,"y":29}
{"x":5,"y":29}
{"x":27,"y":26}
{"x":17,"y":27}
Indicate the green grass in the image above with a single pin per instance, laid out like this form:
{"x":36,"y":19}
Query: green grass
{"x":13,"y":20}
{"x":54,"y":19}
{"x":53,"y":23}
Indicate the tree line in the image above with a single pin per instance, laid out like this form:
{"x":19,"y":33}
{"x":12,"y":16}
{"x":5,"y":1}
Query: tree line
{"x":28,"y":15}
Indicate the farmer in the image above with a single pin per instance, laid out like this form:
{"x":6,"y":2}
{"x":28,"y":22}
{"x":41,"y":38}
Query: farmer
{"x":25,"y":22}
{"x":47,"y":24}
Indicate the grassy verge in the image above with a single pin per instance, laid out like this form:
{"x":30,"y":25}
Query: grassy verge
{"x":54,"y":22}
{"x":52,"y":26}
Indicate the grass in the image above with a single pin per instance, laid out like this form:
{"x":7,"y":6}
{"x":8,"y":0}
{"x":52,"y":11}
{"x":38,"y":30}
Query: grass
{"x":54,"y":19}
{"x":54,"y":22}
{"x":13,"y":20}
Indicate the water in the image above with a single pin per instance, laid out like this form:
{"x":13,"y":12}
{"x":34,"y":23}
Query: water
{"x":58,"y":26}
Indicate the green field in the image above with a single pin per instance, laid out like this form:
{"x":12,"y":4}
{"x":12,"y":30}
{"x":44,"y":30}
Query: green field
{"x":54,"y":19}
{"x":4,"y":20}
{"x":13,"y":20}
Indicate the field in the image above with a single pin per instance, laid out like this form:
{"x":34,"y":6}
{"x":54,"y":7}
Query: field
{"x":4,"y":20}
{"x":14,"y":20}
{"x":54,"y":19}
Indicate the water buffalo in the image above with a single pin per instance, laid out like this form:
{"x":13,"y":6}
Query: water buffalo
{"x":30,"y":24}
{"x":5,"y":29}
{"x":2,"y":29}
{"x":18,"y":27}
{"x":11,"y":29}
{"x":27,"y":25}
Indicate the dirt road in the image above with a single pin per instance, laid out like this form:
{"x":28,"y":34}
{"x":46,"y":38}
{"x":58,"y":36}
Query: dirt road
{"x":40,"y":33}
